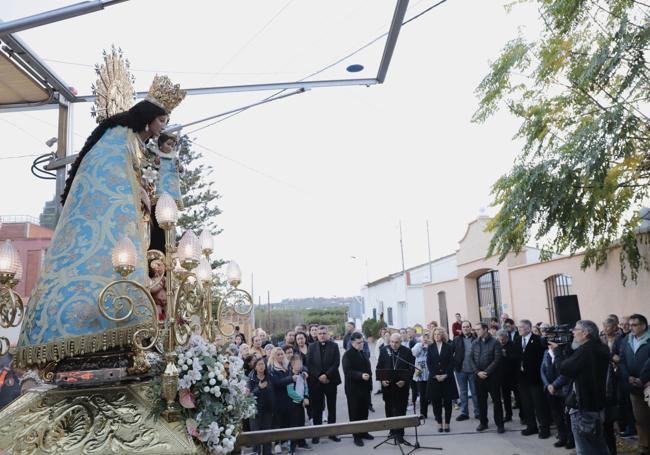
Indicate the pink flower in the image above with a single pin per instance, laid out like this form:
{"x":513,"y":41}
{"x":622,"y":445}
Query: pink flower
{"x":192,"y":427}
{"x":186,"y":399}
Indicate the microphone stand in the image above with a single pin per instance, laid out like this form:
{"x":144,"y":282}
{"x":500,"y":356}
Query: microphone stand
{"x":417,"y":445}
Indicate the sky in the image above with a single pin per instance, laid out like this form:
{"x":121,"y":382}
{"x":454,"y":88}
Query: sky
{"x":314,"y":186}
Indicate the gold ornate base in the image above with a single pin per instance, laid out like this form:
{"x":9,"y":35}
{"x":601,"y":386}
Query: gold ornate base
{"x":94,"y":420}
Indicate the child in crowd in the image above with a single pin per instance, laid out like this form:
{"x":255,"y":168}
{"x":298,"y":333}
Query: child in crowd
{"x":299,"y":395}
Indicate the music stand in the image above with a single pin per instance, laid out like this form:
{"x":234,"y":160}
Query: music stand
{"x":394,"y":376}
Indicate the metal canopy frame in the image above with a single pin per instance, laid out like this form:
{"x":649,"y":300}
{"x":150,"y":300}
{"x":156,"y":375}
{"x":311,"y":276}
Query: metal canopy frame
{"x":46,"y":73}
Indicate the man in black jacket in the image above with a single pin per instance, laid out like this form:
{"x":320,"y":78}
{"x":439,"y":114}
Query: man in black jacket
{"x":587,"y":367}
{"x":509,"y":366}
{"x":349,"y":329}
{"x":396,"y":393}
{"x":323,"y":359}
{"x":358,"y":383}
{"x":485,"y":360}
{"x":529,"y":351}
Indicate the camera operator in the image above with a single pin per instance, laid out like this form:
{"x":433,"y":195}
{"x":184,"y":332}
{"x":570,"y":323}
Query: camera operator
{"x":587,"y":367}
{"x":558,"y":389}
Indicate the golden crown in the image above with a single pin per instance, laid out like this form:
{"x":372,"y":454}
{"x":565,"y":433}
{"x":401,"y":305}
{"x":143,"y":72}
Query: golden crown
{"x":164,"y":93}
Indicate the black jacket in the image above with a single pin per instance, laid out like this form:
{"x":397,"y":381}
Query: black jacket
{"x":346,"y":340}
{"x":279,"y":380}
{"x":530,"y":360}
{"x":587,"y":367}
{"x":264,"y":398}
{"x":486,"y":355}
{"x":437,"y":364}
{"x":355,"y":363}
{"x":459,"y":351}
{"x":645,"y":373}
{"x":328,"y":365}
{"x":509,"y":363}
{"x":388,"y":361}
{"x":442,"y":363}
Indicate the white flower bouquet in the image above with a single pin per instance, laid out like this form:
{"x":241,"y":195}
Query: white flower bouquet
{"x":212,"y":391}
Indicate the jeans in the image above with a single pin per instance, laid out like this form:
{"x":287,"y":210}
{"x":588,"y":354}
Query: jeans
{"x":463,"y":380}
{"x":586,"y":445}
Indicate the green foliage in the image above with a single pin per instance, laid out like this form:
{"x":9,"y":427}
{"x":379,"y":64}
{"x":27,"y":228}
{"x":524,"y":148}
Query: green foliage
{"x":372,"y":327}
{"x":581,"y":93}
{"x":199,"y":197}
{"x":283,"y":320}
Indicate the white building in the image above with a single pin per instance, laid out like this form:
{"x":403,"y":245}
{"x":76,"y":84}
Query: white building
{"x":480,"y":287}
{"x":400,"y":296}
{"x":405,"y":298}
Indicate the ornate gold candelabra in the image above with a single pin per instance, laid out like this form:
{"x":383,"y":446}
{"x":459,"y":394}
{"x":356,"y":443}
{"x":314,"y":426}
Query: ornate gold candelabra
{"x":11,"y":304}
{"x":189,"y":302}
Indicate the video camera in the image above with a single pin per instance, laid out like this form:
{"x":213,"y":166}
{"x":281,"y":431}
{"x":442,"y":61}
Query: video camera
{"x":559,"y":334}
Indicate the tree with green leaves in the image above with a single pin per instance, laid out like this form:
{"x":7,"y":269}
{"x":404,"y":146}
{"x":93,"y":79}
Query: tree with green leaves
{"x":199,"y":197}
{"x":581,"y":91}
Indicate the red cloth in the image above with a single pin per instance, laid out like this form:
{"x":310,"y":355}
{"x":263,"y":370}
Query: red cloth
{"x":456,"y":328}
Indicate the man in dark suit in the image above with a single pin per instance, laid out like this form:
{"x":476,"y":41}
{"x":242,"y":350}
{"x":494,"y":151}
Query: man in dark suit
{"x":323,"y":359}
{"x":358,"y":383}
{"x":529,"y":351}
{"x":396,"y":393}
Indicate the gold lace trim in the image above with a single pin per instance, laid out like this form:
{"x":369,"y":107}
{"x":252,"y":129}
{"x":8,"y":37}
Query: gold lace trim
{"x":62,"y":348}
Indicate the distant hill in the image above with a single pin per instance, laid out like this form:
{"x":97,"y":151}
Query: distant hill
{"x":316,"y":302}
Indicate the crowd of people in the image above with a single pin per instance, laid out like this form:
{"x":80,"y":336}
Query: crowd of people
{"x":591,"y":384}
{"x":588,"y":383}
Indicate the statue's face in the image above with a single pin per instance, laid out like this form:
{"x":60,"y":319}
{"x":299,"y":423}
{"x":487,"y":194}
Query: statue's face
{"x":158,"y":124}
{"x":168,"y":146}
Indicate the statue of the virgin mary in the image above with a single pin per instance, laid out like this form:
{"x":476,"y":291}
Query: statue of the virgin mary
{"x":104,"y":201}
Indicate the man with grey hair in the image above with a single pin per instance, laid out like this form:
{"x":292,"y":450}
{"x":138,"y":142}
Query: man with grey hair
{"x":587,"y":368}
{"x":508,"y":372}
{"x":529,"y":350}
{"x":396,"y":357}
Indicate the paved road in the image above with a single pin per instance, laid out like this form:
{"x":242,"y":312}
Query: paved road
{"x":462,"y":439}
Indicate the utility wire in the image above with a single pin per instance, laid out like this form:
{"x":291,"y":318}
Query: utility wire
{"x":254,"y":37}
{"x":246,"y":166}
{"x":19,"y":156}
{"x":370,"y":43}
{"x":162,"y":71}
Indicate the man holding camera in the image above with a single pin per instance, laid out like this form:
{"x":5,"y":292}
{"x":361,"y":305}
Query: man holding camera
{"x":587,"y":367}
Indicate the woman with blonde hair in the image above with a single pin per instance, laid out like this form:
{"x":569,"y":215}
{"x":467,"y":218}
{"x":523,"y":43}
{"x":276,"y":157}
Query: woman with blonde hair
{"x":280,"y":377}
{"x":441,"y":388}
{"x":244,"y":351}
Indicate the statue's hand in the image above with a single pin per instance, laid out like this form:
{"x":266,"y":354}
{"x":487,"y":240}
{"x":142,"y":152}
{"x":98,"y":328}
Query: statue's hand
{"x":144,"y":199}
